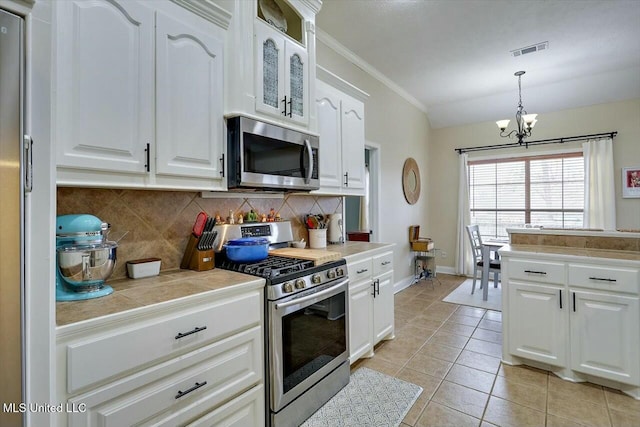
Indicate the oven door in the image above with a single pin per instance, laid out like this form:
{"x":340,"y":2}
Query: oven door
{"x":307,"y":340}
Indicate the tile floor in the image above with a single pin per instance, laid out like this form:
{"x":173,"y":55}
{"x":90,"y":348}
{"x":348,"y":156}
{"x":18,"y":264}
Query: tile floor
{"x":453,"y":352}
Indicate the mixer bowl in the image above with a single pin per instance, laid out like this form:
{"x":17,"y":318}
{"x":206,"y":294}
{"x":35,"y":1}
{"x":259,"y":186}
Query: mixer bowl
{"x":85,"y":265}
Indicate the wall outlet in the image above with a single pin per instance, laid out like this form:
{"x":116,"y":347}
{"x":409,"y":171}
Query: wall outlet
{"x":443,"y":254}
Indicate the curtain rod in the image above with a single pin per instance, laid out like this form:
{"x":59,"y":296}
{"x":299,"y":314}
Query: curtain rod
{"x":539,"y":142}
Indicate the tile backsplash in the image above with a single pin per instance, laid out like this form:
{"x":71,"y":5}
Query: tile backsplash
{"x":158,"y":223}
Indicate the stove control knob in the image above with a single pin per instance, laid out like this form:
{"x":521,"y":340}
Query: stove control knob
{"x":287,"y":287}
{"x":331,"y":274}
{"x":339,"y":271}
{"x":300,"y":284}
{"x":316,"y":279}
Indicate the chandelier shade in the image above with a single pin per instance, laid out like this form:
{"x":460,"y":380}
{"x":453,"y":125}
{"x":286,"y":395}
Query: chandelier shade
{"x":524,"y":121}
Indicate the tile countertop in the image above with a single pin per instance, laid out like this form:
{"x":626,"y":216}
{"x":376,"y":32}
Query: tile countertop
{"x":349,"y":249}
{"x":571,"y":252}
{"x":129,"y":294}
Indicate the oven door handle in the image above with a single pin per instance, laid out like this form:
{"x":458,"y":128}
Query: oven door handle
{"x":313,"y":296}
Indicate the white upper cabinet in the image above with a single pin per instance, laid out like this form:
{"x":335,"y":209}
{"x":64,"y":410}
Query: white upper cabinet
{"x":282,"y":75}
{"x":340,"y":117}
{"x":189,"y":114}
{"x":139,"y":95}
{"x":271,"y":75}
{"x":104,"y":85}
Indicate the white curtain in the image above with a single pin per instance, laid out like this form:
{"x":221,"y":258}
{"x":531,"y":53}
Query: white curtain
{"x":463,"y":250}
{"x":364,"y":202}
{"x":599,"y":187}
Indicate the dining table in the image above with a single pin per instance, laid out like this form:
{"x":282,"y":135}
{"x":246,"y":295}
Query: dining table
{"x":488,"y":247}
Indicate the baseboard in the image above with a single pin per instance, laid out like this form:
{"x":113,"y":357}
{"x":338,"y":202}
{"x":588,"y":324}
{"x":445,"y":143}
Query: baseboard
{"x":445,"y":270}
{"x":402,"y":284}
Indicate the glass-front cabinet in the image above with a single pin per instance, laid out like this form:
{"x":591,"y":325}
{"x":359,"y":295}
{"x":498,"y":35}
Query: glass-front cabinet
{"x":282,"y":74}
{"x":272,"y":70}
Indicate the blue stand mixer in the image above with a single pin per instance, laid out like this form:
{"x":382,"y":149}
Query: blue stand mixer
{"x":84,"y":257}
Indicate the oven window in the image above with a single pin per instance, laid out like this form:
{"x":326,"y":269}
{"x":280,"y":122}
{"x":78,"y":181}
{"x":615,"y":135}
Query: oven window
{"x":313,"y":337}
{"x":269,"y":156}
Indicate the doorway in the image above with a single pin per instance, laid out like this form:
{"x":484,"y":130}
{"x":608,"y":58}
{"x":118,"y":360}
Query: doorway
{"x":361,"y":213}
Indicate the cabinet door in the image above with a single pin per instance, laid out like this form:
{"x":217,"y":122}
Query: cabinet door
{"x":383,"y":307}
{"x":537,"y":325}
{"x":103,"y":91}
{"x":605,"y":335}
{"x":360,"y":319}
{"x":328,"y":114}
{"x":270,"y":59}
{"x":353,"y":142}
{"x":189,"y":104}
{"x":296,"y":83}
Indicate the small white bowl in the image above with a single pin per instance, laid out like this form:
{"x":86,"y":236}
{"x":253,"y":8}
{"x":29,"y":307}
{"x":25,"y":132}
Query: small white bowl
{"x":299,"y":245}
{"x":140,"y":268}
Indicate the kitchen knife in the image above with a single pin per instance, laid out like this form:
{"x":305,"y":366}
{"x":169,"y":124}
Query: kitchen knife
{"x":202,"y":244}
{"x":194,"y":239}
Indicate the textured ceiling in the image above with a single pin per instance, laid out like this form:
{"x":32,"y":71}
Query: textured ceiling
{"x":453,"y":56}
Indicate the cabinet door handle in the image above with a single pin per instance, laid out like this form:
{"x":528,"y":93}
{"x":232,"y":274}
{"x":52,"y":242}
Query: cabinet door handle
{"x":378,"y":286}
{"x":535,"y":272}
{"x":222,"y":165}
{"x":374,"y":288}
{"x":285,"y":109}
{"x":195,"y":387}
{"x":193,"y":331}
{"x":147,"y":165}
{"x":284,"y":101}
{"x":346,"y":179}
{"x":603,"y":280}
{"x":560,"y":299}
{"x":364,"y":270}
{"x":574,"y":301}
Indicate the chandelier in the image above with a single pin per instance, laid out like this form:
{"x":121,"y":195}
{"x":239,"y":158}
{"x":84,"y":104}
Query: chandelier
{"x":524,"y":121}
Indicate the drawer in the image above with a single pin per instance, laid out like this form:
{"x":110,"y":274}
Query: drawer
{"x":536,"y":271}
{"x":382,"y":263}
{"x":617,"y":279}
{"x":110,"y":354}
{"x":360,"y":270}
{"x":245,"y":410}
{"x":184,"y":390}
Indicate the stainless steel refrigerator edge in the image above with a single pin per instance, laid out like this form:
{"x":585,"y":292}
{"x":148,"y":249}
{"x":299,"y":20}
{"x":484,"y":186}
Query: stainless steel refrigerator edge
{"x":11,"y":219}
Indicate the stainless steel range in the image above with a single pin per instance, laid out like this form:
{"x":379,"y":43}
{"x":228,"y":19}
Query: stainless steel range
{"x":306,"y":318}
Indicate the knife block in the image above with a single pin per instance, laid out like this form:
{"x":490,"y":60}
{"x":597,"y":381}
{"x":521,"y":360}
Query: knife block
{"x":202,"y":260}
{"x":195,"y":259}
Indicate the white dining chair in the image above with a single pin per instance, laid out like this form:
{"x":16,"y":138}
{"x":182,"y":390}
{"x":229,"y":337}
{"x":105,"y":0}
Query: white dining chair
{"x":473,"y":231}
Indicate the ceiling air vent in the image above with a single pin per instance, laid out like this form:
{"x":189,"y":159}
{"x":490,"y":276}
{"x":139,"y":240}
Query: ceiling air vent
{"x":530,"y":49}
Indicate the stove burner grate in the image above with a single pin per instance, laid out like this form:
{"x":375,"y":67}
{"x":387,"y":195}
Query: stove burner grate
{"x":272,"y":267}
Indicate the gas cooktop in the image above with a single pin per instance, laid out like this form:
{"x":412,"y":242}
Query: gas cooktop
{"x":270,"y":268}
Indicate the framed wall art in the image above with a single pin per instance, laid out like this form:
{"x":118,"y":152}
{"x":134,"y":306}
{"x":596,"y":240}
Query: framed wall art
{"x":631,"y":182}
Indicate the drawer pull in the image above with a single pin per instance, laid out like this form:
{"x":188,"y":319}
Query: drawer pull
{"x":364,"y":270}
{"x":560,"y":298}
{"x":196,"y":329}
{"x":601,"y":279}
{"x":195,"y":387}
{"x":386,"y":263}
{"x":535,"y":272}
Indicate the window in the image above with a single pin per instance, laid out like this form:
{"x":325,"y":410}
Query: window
{"x":539,"y":190}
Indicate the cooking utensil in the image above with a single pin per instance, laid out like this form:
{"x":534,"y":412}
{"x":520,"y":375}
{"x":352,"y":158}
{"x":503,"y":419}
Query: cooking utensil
{"x":247,"y":249}
{"x":86,"y":264}
{"x":198,"y":226}
{"x":195,"y":238}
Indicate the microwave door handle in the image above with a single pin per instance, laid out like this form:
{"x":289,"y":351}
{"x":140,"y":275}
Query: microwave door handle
{"x":307,"y":147}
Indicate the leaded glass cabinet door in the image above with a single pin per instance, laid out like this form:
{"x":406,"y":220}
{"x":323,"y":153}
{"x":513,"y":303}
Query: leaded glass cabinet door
{"x":297,"y":82}
{"x":270,"y":58}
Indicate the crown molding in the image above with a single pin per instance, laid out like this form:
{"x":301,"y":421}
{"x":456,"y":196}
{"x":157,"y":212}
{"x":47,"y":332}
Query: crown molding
{"x":313,"y":5}
{"x":366,"y":67}
{"x":207,"y":10}
{"x":335,"y":81}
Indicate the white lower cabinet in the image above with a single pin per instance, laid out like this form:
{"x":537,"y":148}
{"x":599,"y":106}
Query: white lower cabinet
{"x":537,"y":325}
{"x":200,"y":364}
{"x":370,"y":302}
{"x":614,"y":321}
{"x":580,"y":317}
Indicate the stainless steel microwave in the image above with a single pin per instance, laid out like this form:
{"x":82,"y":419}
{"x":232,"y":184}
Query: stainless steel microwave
{"x":270,"y":157}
